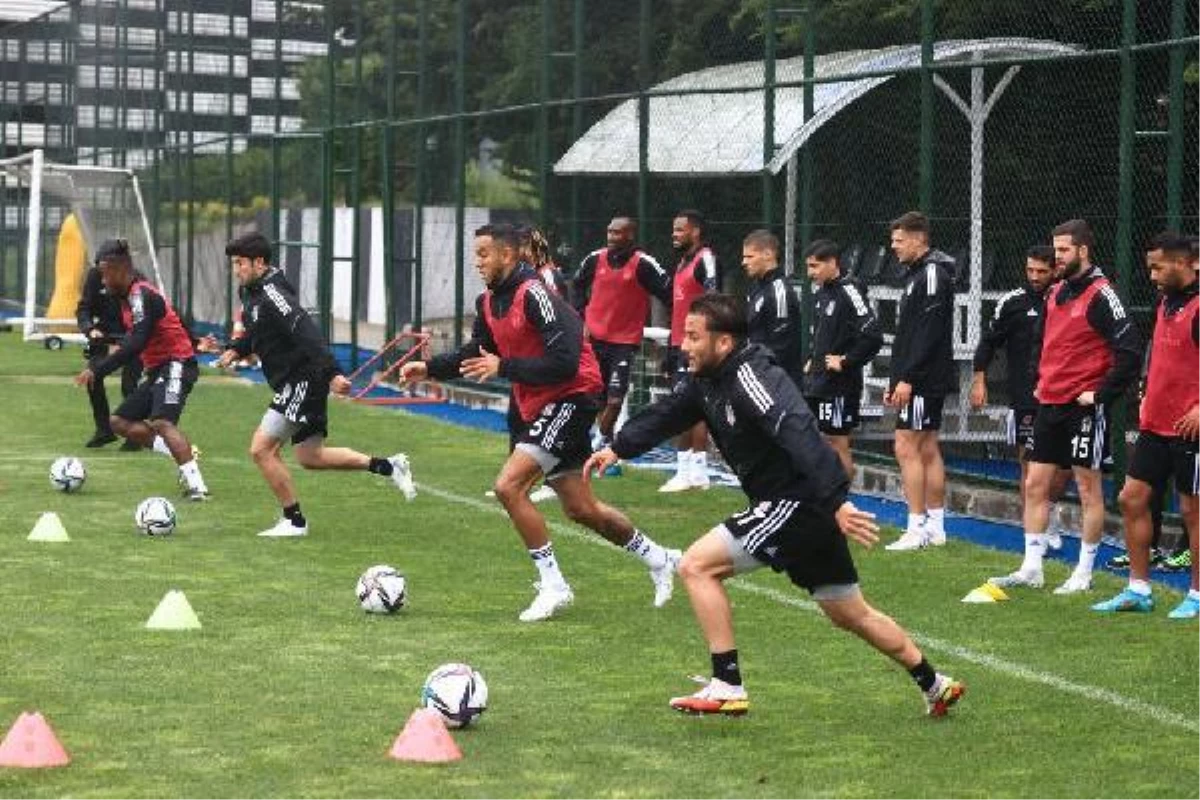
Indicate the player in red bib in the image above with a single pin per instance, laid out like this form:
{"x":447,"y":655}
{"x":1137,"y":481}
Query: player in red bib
{"x":532,"y":337}
{"x":1087,"y":352}
{"x":1167,"y":430}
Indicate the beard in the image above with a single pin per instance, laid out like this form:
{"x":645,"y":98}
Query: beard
{"x":1071,"y":269}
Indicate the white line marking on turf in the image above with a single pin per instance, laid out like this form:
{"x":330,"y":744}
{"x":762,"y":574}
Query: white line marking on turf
{"x":995,"y":663}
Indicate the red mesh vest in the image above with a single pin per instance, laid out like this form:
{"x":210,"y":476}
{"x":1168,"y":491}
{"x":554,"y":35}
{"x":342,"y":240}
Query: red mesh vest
{"x":1075,"y":357}
{"x":617,"y":311}
{"x":1173,"y":385}
{"x":169,"y":341}
{"x":686,"y":289}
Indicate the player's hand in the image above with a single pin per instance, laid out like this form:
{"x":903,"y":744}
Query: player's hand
{"x":340,"y":384}
{"x":1086,"y":399}
{"x":85,"y":378}
{"x":227,"y":358}
{"x":857,"y":525}
{"x":414,"y":371}
{"x":598,"y":462}
{"x":481,"y":368}
{"x":979,"y":395}
{"x":901,"y":394}
{"x":1188,"y":425}
{"x":95,"y":333}
{"x":834,"y":363}
{"x":808,"y":365}
{"x":208,"y":344}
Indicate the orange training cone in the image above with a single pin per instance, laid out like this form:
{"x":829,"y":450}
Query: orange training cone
{"x":31,"y":743}
{"x":425,"y":738}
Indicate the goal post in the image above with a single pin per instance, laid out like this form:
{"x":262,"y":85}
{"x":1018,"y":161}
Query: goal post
{"x":69,"y":210}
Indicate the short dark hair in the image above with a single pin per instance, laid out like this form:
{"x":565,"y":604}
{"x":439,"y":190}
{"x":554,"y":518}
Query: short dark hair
{"x":695,"y":218}
{"x":250,"y":245}
{"x":1079,"y":231}
{"x":912,"y":222}
{"x":501,"y":233}
{"x":823,"y":250}
{"x":1172,"y":243}
{"x":763,"y":239}
{"x":1041,"y":252}
{"x":723,"y":313}
{"x":114,"y":251}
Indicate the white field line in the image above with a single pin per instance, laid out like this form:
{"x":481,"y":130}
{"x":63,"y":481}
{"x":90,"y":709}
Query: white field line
{"x":1004,"y":666}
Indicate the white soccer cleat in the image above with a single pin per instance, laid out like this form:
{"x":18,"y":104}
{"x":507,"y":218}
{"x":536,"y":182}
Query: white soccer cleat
{"x":936,"y":538}
{"x":549,"y":601}
{"x":198,"y":495}
{"x":1032,"y":578}
{"x":402,"y":476}
{"x":543,"y":493}
{"x":911,"y":540}
{"x":1078,"y":582}
{"x":284,"y":528}
{"x":700,"y":480}
{"x":678,"y":483}
{"x":664,"y":578}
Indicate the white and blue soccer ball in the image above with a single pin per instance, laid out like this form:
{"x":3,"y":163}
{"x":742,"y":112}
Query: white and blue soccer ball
{"x":155,"y":516}
{"x":457,"y":692}
{"x":382,"y":590}
{"x":67,"y":474}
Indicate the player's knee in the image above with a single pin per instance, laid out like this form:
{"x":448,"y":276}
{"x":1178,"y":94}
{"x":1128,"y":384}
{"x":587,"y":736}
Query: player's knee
{"x":119,"y":425}
{"x":580,"y":511}
{"x":507,"y":491}
{"x":693,"y":568}
{"x":309,"y":457}
{"x":1132,"y":499}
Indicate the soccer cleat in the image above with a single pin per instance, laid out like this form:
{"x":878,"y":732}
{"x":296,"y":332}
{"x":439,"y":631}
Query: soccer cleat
{"x":1188,"y":609}
{"x":542,"y":493}
{"x":1078,"y":582}
{"x":699,"y":480}
{"x":284,"y":528}
{"x":911,"y":540}
{"x":945,"y":693}
{"x":1118,"y":562}
{"x":1032,"y":578}
{"x":1127,"y":600}
{"x":664,"y":578}
{"x":717,"y":697}
{"x":613,"y":470}
{"x":402,"y":476}
{"x":101,"y":438}
{"x":1180,"y":562}
{"x":197,"y":495}
{"x":936,"y":538}
{"x":549,"y":601}
{"x":678,"y":483}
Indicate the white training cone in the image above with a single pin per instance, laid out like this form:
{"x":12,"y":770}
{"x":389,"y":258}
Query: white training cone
{"x":49,"y":528}
{"x":174,"y":613}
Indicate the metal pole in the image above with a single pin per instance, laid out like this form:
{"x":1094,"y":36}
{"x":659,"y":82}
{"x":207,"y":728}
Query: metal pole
{"x":277,"y":231}
{"x":356,"y":186}
{"x":1175,"y":118}
{"x":460,"y":166}
{"x":925,"y":182}
{"x":543,"y":119}
{"x":576,"y":110}
{"x":191,"y":165}
{"x":229,"y":196}
{"x":1123,"y":256}
{"x":807,"y":165}
{"x":422,"y":163}
{"x":643,"y":116}
{"x":768,"y":132}
{"x":388,"y":201}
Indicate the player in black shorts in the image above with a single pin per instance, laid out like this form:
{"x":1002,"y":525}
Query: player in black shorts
{"x":303,"y":373}
{"x":798,"y":518}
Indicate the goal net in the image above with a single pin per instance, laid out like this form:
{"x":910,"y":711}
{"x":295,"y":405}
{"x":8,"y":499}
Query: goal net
{"x":54,"y":218}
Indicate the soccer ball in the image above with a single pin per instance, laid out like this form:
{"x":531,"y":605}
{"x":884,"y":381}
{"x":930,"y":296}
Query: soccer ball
{"x":155,"y":516}
{"x":457,"y":692}
{"x":382,"y":590}
{"x":67,"y":474}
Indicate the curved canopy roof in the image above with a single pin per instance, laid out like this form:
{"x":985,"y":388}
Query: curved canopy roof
{"x":721,"y":134}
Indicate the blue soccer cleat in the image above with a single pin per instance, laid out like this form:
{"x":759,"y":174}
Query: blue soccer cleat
{"x":1127,"y":600}
{"x":1188,"y":609}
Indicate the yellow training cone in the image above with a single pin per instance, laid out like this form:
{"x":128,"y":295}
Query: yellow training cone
{"x":174,"y":613}
{"x":987,"y":593}
{"x":48,"y":528}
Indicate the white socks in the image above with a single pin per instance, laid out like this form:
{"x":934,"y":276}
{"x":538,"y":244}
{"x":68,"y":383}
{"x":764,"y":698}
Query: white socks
{"x":1087,"y":557}
{"x":915,"y":523}
{"x":1139,"y":587}
{"x":191,"y":473}
{"x":935,"y":522}
{"x":547,"y":566}
{"x":650,"y":552}
{"x":160,"y":446}
{"x":1035,"y":549}
{"x":698,"y":471}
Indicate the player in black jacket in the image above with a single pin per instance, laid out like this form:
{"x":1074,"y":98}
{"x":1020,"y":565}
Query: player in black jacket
{"x":1012,"y":327}
{"x":845,"y":337}
{"x":302,"y":372}
{"x":798,"y":518}
{"x":99,"y":318}
{"x":772,"y":308}
{"x":923,"y":373}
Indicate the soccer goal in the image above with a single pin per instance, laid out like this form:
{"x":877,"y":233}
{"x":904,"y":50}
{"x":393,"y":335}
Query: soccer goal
{"x":63,"y":212}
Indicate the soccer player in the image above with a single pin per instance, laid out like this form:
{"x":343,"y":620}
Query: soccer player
{"x":612,"y":292}
{"x":149,"y":416}
{"x":98,"y":315}
{"x":798,"y":518}
{"x":695,"y":274}
{"x":1012,"y":327}
{"x":845,"y":337}
{"x":1087,"y":352}
{"x":527,"y":334}
{"x":302,"y":373}
{"x":772,"y":308}
{"x":923,"y":373}
{"x":1170,"y":422}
